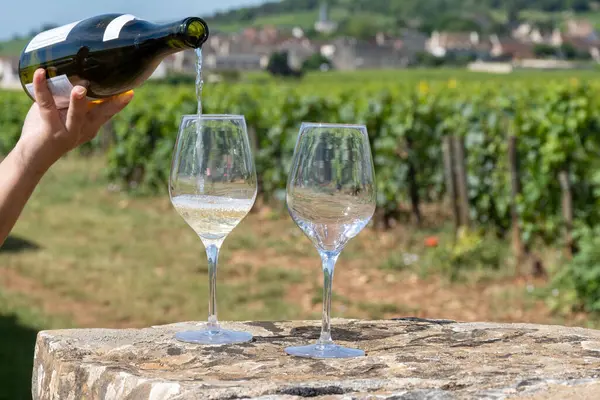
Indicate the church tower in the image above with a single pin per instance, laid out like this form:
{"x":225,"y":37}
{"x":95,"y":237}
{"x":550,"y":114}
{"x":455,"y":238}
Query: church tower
{"x":323,"y":24}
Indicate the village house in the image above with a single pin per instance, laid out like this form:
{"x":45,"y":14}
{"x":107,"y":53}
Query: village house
{"x":268,"y":34}
{"x":508,"y":48}
{"x":249,"y":50}
{"x":442,"y":44}
{"x":351,"y":53}
{"x":583,"y":46}
{"x":580,"y":35}
{"x":411,"y":42}
{"x":523,"y":32}
{"x":527,"y":33}
{"x":298,"y":50}
{"x":245,"y":51}
{"x":582,"y":29}
{"x":9,"y":77}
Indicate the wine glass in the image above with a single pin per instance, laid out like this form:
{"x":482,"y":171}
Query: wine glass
{"x":331,"y":196}
{"x":213,"y":186}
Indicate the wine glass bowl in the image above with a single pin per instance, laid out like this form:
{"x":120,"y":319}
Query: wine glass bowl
{"x":213,"y":186}
{"x":331,"y":196}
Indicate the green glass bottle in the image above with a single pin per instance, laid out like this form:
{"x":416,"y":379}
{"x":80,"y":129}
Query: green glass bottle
{"x":108,"y":54}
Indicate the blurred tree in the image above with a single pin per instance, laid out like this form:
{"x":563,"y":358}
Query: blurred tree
{"x":279,"y":65}
{"x":361,"y":27}
{"x":544,"y":50}
{"x":568,"y":51}
{"x":429,"y":60}
{"x":316,"y":62}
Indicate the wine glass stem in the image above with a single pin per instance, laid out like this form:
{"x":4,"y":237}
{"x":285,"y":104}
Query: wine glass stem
{"x":328,"y":260}
{"x":212,"y":252}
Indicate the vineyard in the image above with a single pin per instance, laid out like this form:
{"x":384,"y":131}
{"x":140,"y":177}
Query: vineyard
{"x":478,"y":177}
{"x":509,"y":155}
{"x":555,"y":126}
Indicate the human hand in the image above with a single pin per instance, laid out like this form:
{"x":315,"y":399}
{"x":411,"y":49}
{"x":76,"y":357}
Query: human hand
{"x":48,"y":133}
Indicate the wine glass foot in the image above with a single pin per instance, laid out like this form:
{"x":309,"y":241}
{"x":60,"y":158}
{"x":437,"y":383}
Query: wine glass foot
{"x":222,"y":336}
{"x":324,"y":351}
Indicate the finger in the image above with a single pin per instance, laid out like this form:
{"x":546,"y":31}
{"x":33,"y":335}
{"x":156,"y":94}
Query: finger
{"x":101,"y":113}
{"x":77,"y":109}
{"x":43,"y":97}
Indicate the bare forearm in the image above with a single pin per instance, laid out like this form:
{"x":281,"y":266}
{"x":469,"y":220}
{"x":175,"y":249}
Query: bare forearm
{"x":17,"y":183}
{"x":46,"y":136}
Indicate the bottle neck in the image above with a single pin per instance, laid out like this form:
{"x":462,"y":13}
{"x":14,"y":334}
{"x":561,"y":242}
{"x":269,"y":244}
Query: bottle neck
{"x":193,"y":31}
{"x":189,"y":33}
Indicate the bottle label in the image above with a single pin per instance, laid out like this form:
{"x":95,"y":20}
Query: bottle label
{"x":113,"y":29}
{"x":50,"y":37}
{"x":60,"y":87}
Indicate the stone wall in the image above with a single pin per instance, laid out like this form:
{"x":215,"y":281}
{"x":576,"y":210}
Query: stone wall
{"x":405,"y":359}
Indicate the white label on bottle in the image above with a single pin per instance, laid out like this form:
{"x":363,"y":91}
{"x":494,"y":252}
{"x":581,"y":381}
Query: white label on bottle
{"x":50,"y":37}
{"x":113,"y":29}
{"x":60,"y":87}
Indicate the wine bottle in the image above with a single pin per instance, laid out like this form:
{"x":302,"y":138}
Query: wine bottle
{"x":108,"y":54}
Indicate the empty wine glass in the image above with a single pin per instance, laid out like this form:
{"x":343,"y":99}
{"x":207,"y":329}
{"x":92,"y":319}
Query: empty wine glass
{"x":213,"y":186}
{"x":331,"y":197}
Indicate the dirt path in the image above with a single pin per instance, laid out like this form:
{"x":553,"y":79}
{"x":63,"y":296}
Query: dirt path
{"x":82,"y":314}
{"x":365,"y":291}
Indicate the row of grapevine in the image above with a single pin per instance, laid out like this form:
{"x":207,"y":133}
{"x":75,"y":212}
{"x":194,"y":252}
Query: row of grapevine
{"x":13,"y":109}
{"x":556,"y":125}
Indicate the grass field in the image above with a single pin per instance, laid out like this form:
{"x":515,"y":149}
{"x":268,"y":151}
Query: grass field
{"x":12,"y":48}
{"x":84,"y":256}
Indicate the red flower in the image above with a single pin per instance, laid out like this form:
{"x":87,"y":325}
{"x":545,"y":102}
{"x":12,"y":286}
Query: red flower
{"x":431,"y":241}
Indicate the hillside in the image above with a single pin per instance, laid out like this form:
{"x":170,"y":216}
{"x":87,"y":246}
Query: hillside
{"x":363,"y":18}
{"x":434,"y":9}
{"x":13,"y":47}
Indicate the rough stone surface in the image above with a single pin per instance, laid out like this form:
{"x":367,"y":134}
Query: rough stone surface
{"x":406,"y":359}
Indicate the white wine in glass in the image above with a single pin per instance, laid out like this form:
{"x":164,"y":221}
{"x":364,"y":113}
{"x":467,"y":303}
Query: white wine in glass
{"x":331,"y":196}
{"x":213,"y":186}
